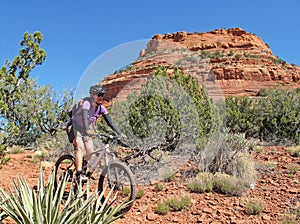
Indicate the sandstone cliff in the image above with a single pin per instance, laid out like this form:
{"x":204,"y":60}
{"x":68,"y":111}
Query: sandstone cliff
{"x":228,"y":62}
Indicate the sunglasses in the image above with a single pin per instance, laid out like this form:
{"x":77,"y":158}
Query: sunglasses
{"x":100,"y":94}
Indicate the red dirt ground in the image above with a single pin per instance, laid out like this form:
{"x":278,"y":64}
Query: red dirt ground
{"x":279,"y":192}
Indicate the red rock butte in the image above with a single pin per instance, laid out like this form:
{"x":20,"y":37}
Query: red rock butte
{"x":227,"y":62}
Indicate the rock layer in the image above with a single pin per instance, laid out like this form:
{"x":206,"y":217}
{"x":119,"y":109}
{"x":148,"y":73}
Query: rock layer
{"x":228,"y":62}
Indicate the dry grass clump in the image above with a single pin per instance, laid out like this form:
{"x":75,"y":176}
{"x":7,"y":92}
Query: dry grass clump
{"x":174,"y":204}
{"x":294,"y":151}
{"x":254,"y":205}
{"x":203,"y":182}
{"x":218,"y":182}
{"x":226,"y":184}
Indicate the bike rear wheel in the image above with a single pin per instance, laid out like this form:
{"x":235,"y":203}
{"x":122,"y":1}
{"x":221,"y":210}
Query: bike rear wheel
{"x":65,"y":170}
{"x":119,"y":177}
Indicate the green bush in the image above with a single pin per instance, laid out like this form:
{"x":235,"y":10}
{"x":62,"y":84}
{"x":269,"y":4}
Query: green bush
{"x":139,"y":194}
{"x":242,"y":166}
{"x":158,"y":187}
{"x":273,"y":116}
{"x":242,"y":116}
{"x":280,"y":118}
{"x":162,"y":208}
{"x":180,"y":203}
{"x":169,"y":110}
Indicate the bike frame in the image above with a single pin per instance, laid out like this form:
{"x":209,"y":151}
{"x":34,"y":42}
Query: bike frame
{"x":104,"y":153}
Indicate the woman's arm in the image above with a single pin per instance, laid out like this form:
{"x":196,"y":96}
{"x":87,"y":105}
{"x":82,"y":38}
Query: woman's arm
{"x":111,"y":124}
{"x":85,"y":120}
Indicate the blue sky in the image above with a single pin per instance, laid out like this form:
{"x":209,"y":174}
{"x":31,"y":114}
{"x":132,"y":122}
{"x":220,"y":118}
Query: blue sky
{"x":76,"y":33}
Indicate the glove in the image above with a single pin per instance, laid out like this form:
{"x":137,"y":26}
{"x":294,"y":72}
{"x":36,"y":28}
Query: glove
{"x":121,"y":138}
{"x":89,"y":132}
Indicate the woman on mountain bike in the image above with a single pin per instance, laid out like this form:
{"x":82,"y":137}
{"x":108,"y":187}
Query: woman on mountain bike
{"x":84,"y":115}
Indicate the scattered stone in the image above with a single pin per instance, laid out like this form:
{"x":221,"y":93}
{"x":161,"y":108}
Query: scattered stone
{"x":152,"y":216}
{"x":143,"y":208}
{"x":266,"y":217}
{"x":293,"y":190}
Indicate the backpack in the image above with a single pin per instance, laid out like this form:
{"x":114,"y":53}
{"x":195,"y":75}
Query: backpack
{"x":73,"y":110}
{"x":76,"y":106}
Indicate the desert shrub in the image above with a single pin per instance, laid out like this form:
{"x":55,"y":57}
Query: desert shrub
{"x":288,"y":219}
{"x":294,"y":209}
{"x":139,"y":194}
{"x":174,"y":204}
{"x":27,"y":110}
{"x":242,"y":116}
{"x":158,"y":187}
{"x":168,"y":112}
{"x":237,"y":56}
{"x":228,"y":153}
{"x":54,"y":145}
{"x":226,"y":184}
{"x":179,"y":203}
{"x":15,"y":150}
{"x":272,"y":117}
{"x":203,"y":182}
{"x":243,"y":167}
{"x":168,"y":176}
{"x":253,"y":205}
{"x":294,"y":151}
{"x":280,"y":118}
{"x":292,"y":168}
{"x":162,"y":208}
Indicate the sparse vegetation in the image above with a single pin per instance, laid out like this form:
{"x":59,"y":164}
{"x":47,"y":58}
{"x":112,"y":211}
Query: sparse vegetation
{"x":139,"y":194}
{"x":174,"y":204}
{"x":225,"y":165}
{"x":16,"y":150}
{"x":179,"y":203}
{"x":158,"y":187}
{"x":292,"y":168}
{"x":168,"y":176}
{"x":24,"y":204}
{"x":254,"y":205}
{"x":203,"y":182}
{"x":288,"y":219}
{"x":258,"y":149}
{"x":294,"y":151}
{"x":228,"y":153}
{"x":162,"y":208}
{"x":126,"y":191}
{"x":237,"y":56}
{"x":226,"y":184}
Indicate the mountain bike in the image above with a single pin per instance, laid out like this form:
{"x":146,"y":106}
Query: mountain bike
{"x":109,"y":173}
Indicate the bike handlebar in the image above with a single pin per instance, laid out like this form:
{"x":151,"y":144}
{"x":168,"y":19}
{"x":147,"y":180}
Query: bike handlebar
{"x":107,"y":137}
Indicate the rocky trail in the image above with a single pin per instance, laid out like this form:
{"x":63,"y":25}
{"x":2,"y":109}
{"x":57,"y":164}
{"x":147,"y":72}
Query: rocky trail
{"x":276,"y":188}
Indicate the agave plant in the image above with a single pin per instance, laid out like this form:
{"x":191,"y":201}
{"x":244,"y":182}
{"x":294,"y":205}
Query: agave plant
{"x":2,"y":215}
{"x":47,"y":205}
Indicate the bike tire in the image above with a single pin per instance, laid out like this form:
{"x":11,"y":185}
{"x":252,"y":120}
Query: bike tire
{"x":65,"y":166}
{"x":125,"y":186}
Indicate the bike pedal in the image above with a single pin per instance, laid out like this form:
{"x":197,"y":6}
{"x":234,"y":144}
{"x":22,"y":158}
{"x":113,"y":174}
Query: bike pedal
{"x":82,"y":179}
{"x":91,"y":176}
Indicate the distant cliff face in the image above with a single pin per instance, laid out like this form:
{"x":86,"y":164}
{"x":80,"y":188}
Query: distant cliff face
{"x":228,"y":62}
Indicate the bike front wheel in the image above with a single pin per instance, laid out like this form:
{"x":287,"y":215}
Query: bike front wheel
{"x":65,"y":170}
{"x":117,"y":177}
